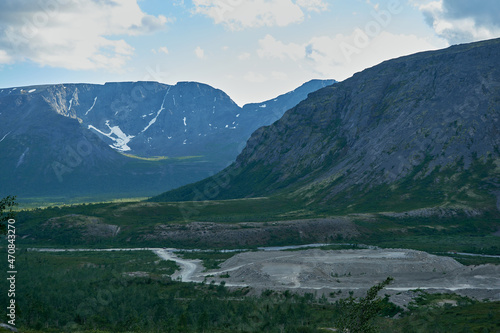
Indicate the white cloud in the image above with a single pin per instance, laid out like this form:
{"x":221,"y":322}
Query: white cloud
{"x":374,"y":5}
{"x":313,"y":5}
{"x":4,"y":57}
{"x":272,"y":48}
{"x":76,"y":34}
{"x":244,"y":56}
{"x":200,"y":53}
{"x":149,"y":23}
{"x":461,"y":21}
{"x":239,"y":14}
{"x":279,"y":75}
{"x":163,"y":49}
{"x":341,"y":56}
{"x":255,"y":77}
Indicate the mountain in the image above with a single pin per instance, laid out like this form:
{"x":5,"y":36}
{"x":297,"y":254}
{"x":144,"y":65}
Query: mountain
{"x":417,"y":131}
{"x":45,"y":151}
{"x":256,"y":115}
{"x":123,"y":139}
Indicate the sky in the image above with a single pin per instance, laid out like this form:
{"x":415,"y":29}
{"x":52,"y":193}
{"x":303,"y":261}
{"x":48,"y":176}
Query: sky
{"x":253,"y":50}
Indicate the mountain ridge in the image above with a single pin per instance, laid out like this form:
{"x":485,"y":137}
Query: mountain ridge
{"x":71,"y":138}
{"x":425,"y":118}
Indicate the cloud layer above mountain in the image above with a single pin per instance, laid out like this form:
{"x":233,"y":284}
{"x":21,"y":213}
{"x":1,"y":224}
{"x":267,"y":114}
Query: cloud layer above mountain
{"x":239,"y":14}
{"x":76,"y":34}
{"x":461,"y":21}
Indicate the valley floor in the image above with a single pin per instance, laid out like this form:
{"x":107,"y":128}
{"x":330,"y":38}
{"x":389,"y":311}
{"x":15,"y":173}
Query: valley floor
{"x":334,"y":273}
{"x":252,"y":266}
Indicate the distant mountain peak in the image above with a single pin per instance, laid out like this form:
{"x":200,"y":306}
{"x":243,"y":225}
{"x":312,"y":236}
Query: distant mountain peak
{"x":78,"y":131}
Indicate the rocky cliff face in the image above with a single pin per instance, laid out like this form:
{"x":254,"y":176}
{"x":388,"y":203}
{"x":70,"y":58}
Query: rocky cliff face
{"x":419,"y":128}
{"x":72,"y":138}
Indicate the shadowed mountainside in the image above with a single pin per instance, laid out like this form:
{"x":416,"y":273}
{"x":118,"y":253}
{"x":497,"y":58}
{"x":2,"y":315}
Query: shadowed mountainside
{"x":124,"y":139}
{"x":417,"y":131}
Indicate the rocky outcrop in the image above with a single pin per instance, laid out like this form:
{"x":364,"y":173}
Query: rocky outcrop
{"x":254,"y":233}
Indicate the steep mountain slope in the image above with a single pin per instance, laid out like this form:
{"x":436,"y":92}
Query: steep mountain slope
{"x":162,"y":120}
{"x":44,"y":153}
{"x":255,"y":115}
{"x":416,"y":131}
{"x":81,"y":139}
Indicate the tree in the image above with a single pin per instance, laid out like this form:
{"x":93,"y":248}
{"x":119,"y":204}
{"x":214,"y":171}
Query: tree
{"x":6,"y":212}
{"x":357,"y":314}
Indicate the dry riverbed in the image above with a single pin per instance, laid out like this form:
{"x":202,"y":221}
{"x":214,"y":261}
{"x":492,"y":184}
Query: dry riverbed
{"x":336,"y":272}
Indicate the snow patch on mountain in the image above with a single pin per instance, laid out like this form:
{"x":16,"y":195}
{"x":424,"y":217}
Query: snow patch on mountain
{"x":116,"y":134}
{"x":21,"y":159}
{"x":152,"y":121}
{"x":95,"y":99}
{"x":5,"y":136}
